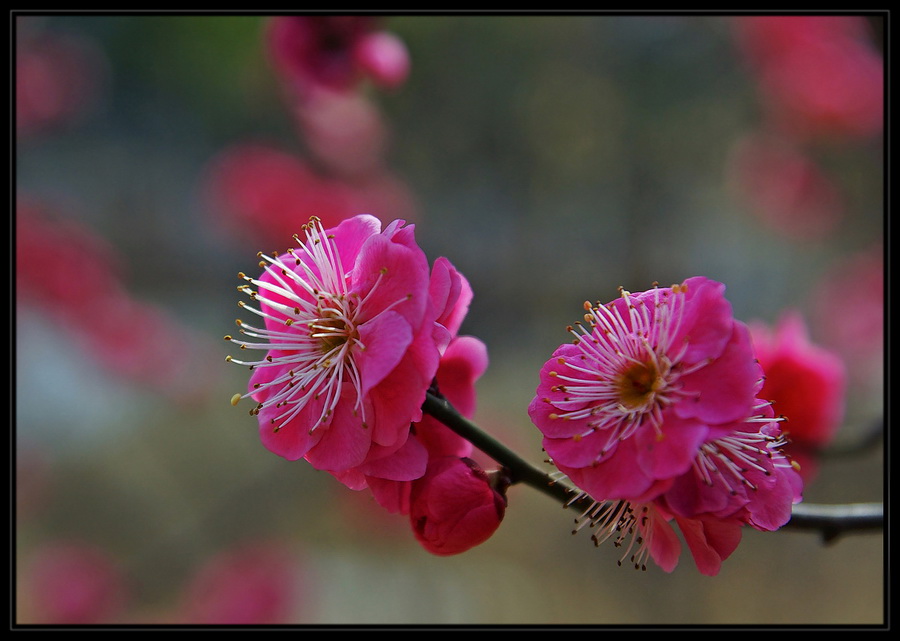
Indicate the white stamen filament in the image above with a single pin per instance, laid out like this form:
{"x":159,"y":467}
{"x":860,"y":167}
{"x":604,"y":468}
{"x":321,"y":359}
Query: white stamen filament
{"x":628,"y":368}
{"x":318,"y":333}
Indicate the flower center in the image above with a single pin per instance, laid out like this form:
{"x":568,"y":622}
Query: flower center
{"x":332,"y":329}
{"x":313,"y":332}
{"x":626,"y":370}
{"x":638,"y":384}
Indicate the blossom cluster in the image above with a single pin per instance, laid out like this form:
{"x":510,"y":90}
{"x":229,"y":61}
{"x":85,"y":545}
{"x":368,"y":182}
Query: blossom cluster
{"x":356,"y":329}
{"x":259,"y":189}
{"x":653,"y":411}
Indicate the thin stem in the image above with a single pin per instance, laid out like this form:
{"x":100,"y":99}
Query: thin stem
{"x":519,"y":470}
{"x":830,"y":520}
{"x":834,"y":520}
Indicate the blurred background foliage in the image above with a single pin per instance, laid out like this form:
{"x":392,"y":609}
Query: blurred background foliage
{"x":551,"y":159}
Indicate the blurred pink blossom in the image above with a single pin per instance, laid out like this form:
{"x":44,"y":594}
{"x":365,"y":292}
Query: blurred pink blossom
{"x":75,"y":277}
{"x":257,"y":192}
{"x":856,"y":283}
{"x":805,"y":382}
{"x":344,"y":132}
{"x":254,"y":583}
{"x":784,"y":188}
{"x":59,"y":79}
{"x":455,"y":506}
{"x":70,"y":582}
{"x":335,"y":53}
{"x":820,"y":76}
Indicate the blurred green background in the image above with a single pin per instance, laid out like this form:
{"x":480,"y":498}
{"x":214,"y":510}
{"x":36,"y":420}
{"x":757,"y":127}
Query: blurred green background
{"x":552,"y":159}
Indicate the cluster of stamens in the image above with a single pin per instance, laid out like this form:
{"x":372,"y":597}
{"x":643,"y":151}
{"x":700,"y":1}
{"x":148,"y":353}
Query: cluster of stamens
{"x":311,"y":330}
{"x":729,"y":459}
{"x":624,"y":522}
{"x":627,"y":369}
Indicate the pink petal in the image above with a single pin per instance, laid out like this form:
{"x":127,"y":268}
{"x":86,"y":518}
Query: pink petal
{"x":665,"y":547}
{"x":451,"y":295}
{"x":406,"y":464}
{"x":293,"y":440}
{"x":393,"y":496}
{"x":386,"y":338}
{"x":614,"y":478}
{"x":390,"y":275}
{"x":725,"y":389}
{"x":670,"y":452}
{"x":461,"y":365}
{"x":345,"y":441}
{"x":710,"y":541}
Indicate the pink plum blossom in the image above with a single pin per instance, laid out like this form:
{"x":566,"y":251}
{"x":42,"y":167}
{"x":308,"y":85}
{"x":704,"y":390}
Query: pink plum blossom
{"x":857,"y":284}
{"x":334,"y":53}
{"x":805,"y":382}
{"x":649,"y":378}
{"x":348,"y":331}
{"x":740,"y":479}
{"x":72,"y":582}
{"x":258,"y":189}
{"x":784,"y":187}
{"x":455,"y":506}
{"x":59,"y":79}
{"x":818,"y":75}
{"x":344,"y":131}
{"x":258,"y":583}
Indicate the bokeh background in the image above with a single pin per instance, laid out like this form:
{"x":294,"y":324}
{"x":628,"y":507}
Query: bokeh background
{"x":551,"y":159}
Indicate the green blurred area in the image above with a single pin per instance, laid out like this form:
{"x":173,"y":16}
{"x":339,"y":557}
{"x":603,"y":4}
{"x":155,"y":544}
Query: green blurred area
{"x":553,"y":159}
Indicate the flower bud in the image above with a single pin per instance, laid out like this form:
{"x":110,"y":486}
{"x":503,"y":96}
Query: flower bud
{"x":456,"y":506}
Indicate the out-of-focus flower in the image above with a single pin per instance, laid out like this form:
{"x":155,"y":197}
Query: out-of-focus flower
{"x":858,"y":337}
{"x":258,"y":192}
{"x":349,"y":342}
{"x":70,"y":582}
{"x":335,"y":53}
{"x":455,"y":506}
{"x":343,"y":131}
{"x":59,"y":79}
{"x":653,"y":376}
{"x":258,"y":583}
{"x":267,"y":194}
{"x":805,"y":382}
{"x":76,"y":278}
{"x":784,"y":188}
{"x":819,"y":75}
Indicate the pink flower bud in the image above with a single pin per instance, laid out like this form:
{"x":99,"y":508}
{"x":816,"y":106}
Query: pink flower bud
{"x":384,"y":57}
{"x":455,"y":507}
{"x":805,"y":382}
